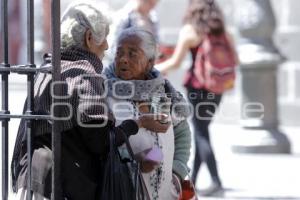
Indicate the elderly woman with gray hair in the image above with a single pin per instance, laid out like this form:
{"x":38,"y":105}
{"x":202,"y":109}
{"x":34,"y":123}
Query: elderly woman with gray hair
{"x":135,"y":89}
{"x":87,"y":120}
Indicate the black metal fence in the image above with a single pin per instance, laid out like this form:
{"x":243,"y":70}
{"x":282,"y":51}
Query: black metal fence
{"x":29,"y":70}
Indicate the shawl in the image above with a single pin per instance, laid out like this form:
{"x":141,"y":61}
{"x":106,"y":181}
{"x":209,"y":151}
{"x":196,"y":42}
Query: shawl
{"x":144,"y":90}
{"x":81,"y":99}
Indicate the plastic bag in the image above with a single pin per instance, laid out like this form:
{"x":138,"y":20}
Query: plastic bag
{"x":122,"y":179}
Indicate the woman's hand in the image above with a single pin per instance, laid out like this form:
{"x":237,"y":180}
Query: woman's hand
{"x":148,"y":166}
{"x":152,"y":122}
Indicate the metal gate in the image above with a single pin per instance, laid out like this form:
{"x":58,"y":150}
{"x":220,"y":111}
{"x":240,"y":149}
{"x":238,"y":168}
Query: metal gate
{"x":30,"y":70}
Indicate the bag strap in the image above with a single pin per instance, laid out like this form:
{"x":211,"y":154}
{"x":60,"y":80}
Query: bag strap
{"x":199,"y":48}
{"x":138,"y":178}
{"x":128,"y":146}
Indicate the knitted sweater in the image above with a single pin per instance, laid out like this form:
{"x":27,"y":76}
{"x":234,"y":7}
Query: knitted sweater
{"x":182,"y":137}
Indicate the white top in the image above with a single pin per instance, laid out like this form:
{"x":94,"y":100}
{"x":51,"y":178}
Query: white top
{"x":159,"y":181}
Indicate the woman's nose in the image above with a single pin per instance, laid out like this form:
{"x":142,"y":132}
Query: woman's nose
{"x":124,"y":59}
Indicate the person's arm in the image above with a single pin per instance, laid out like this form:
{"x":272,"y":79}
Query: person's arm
{"x":188,"y":38}
{"x":97,"y":139}
{"x":182,"y":135}
{"x":151,"y":122}
{"x":232,"y":44}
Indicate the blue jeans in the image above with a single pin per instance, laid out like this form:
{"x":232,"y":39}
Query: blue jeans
{"x":205,"y":104}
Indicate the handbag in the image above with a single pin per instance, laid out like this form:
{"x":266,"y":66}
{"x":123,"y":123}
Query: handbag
{"x":188,"y":190}
{"x":122,"y":179}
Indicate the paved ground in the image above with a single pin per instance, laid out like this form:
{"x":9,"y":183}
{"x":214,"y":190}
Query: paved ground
{"x":247,"y":177}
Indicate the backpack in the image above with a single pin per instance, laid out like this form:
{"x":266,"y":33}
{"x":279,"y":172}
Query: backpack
{"x":215,"y":64}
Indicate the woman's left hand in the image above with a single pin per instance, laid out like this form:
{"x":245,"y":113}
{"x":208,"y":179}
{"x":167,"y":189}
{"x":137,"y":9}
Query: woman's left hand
{"x":148,"y":166}
{"x":152,"y":122}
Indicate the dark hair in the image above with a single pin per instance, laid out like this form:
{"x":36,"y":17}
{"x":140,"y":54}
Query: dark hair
{"x":205,"y":16}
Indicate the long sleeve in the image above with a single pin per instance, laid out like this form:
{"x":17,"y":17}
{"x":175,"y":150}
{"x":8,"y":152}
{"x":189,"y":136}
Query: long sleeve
{"x":97,"y":139}
{"x":182,"y":148}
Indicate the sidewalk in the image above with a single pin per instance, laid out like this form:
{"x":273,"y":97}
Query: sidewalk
{"x":254,"y":176}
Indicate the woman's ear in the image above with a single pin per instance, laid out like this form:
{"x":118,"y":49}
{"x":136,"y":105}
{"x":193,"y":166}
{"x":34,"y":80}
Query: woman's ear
{"x":151,"y":63}
{"x":88,"y":38}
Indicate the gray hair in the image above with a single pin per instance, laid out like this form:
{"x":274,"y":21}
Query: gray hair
{"x":77,"y":19}
{"x":148,"y":42}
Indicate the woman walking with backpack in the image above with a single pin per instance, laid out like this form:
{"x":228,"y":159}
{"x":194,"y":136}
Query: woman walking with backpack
{"x":211,"y":73}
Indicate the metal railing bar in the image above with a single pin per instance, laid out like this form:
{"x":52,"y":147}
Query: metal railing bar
{"x":56,"y":76}
{"x":30,"y":91}
{"x":33,"y":117}
{"x":24,"y":69}
{"x":4,"y":83}
{"x":5,"y":160}
{"x":30,"y":32}
{"x":4,"y":28}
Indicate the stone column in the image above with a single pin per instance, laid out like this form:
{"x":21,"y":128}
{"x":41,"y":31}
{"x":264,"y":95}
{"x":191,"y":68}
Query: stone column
{"x":259,"y":61}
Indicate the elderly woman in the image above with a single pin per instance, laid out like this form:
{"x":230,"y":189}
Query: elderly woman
{"x":132,"y":85}
{"x":87,"y":120}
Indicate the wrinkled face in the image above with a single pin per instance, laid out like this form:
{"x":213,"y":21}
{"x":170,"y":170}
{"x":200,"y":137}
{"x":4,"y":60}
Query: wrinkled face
{"x":98,"y":49}
{"x":131,"y":61}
